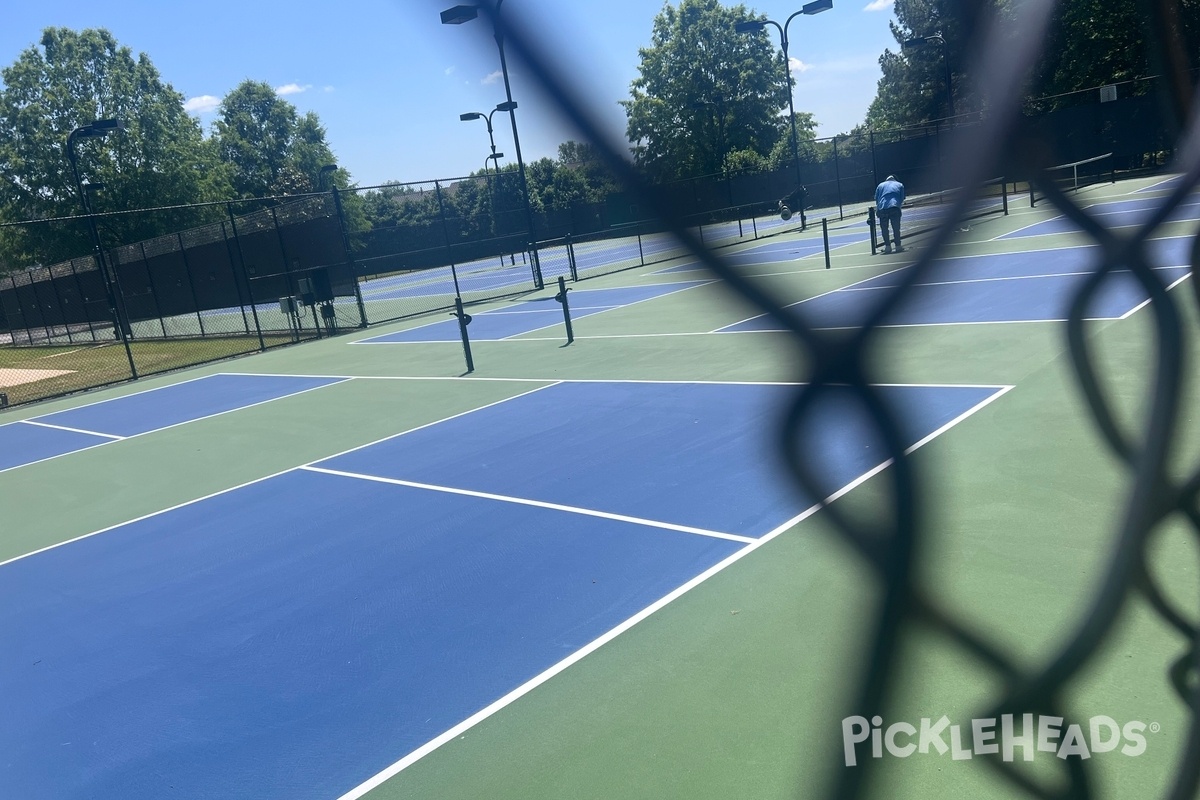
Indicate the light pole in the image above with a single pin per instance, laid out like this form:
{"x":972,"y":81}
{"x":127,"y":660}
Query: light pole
{"x":94,"y":130}
{"x":815,"y":7}
{"x":465,"y":13}
{"x":921,"y":41}
{"x":487,"y":118}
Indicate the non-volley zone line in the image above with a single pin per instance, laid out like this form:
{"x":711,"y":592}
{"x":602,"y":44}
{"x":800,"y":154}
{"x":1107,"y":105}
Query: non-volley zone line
{"x":309,"y":634}
{"x":48,"y":436}
{"x":527,"y":316}
{"x":1035,"y":286}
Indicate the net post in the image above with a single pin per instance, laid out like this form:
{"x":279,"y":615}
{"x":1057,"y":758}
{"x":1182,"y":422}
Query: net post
{"x":825,"y":237}
{"x":464,"y":319}
{"x":1004,"y":194}
{"x":562,"y":298}
{"x":871,"y":225}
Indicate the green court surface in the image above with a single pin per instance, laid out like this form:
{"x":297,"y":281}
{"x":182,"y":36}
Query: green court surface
{"x":738,"y":686}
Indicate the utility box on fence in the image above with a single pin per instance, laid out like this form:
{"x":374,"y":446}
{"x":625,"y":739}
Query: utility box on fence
{"x":316,"y":287}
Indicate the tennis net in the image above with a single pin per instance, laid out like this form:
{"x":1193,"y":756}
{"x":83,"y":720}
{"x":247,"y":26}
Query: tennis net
{"x":1074,"y":176}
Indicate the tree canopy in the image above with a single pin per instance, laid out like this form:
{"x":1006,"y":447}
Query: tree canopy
{"x":704,"y":92}
{"x":270,"y":148}
{"x":69,"y":80}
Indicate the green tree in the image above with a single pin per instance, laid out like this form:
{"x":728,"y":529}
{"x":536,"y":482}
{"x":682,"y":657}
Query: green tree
{"x":270,"y":149}
{"x":69,"y":79}
{"x":913,"y":88}
{"x":1093,"y":43}
{"x":806,"y":137}
{"x":703,"y":91}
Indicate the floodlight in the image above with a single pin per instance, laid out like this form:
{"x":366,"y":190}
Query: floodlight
{"x":459,"y":14}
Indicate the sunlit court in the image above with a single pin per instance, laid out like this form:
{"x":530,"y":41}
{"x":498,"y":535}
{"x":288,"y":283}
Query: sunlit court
{"x":544,"y":401}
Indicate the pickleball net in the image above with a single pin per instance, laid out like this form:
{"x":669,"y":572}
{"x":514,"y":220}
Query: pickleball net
{"x":1073,"y":176}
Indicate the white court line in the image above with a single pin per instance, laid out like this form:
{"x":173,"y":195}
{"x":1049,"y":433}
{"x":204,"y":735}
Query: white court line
{"x":808,"y":299}
{"x":696,"y":285}
{"x":34,"y":421}
{"x":416,"y":755}
{"x":587,"y":512}
{"x":1006,"y":278}
{"x":1143,"y":304}
{"x":996,"y":386}
{"x":111,"y":399}
{"x":266,"y":477}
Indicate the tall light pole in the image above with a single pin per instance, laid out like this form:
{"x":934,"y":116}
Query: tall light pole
{"x":815,"y":7}
{"x":921,"y":41}
{"x":465,"y":13}
{"x":94,"y":130}
{"x":487,"y":118}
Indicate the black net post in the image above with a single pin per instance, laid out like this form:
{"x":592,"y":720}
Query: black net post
{"x":562,"y":298}
{"x":825,"y":237}
{"x":871,"y":225}
{"x":464,"y":319}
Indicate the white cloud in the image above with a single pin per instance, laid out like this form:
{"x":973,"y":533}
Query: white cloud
{"x":327,"y":89}
{"x":203,"y":104}
{"x":493,"y":78}
{"x":292,"y":88}
{"x":879,"y":5}
{"x":796,"y":65}
{"x":450,"y":70}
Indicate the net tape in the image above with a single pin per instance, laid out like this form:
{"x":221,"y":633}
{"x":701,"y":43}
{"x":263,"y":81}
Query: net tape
{"x":838,"y":365}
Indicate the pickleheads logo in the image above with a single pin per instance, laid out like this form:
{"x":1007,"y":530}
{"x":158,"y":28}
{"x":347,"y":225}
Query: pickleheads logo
{"x":1038,"y":734}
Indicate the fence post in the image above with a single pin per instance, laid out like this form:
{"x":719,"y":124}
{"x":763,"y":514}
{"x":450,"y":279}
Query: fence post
{"x":162,"y":323}
{"x":187,"y":266}
{"x":262,"y":343}
{"x":233,"y":274}
{"x":874,"y":161}
{"x":62,"y":311}
{"x":437,"y":187}
{"x":571,"y":259}
{"x":87,"y":314}
{"x":362,"y":308}
{"x":837,"y":174}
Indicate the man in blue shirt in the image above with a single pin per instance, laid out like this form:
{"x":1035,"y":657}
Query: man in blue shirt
{"x":889,"y":196}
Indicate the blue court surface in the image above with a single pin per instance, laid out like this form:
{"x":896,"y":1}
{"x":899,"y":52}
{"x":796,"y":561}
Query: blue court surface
{"x":1012,"y":287}
{"x":532,"y":315}
{"x":1113,"y":214}
{"x":293,"y":637}
{"x":778,"y":252}
{"x":50,"y":435}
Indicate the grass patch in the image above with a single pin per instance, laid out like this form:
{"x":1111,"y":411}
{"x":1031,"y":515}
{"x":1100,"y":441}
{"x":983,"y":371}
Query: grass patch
{"x":90,"y":365}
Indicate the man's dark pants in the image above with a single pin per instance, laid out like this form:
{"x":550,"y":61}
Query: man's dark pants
{"x":892,"y":216}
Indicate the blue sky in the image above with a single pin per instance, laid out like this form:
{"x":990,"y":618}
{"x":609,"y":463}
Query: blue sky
{"x":388,"y":81}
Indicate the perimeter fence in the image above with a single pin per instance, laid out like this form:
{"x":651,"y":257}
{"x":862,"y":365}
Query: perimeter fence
{"x":245,"y":276}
